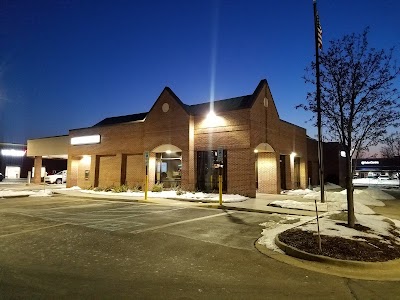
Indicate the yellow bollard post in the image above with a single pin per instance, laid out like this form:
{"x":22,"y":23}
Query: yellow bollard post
{"x":146,"y":185}
{"x":220,"y":189}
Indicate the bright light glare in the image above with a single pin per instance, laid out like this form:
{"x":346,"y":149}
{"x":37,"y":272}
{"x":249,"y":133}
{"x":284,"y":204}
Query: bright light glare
{"x":343,"y":153}
{"x":211,"y":115}
{"x":86,"y":159}
{"x":293,"y":154}
{"x":255,"y":151}
{"x":168,"y":151}
{"x":13,"y":152}
{"x":85,"y":140}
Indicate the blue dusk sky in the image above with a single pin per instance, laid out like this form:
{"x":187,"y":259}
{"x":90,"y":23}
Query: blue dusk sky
{"x":70,"y":63}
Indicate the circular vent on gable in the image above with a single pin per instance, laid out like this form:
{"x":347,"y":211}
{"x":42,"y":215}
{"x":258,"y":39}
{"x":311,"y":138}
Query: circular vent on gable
{"x":165,"y":107}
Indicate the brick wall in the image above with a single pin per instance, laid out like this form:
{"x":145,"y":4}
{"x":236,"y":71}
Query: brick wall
{"x":135,"y":170}
{"x":119,"y":156}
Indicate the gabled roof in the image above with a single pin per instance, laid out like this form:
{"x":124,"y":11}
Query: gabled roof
{"x":230,"y":104}
{"x":122,"y":119}
{"x":241,"y":102}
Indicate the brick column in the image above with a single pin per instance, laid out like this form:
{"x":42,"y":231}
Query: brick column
{"x":121,"y":163}
{"x":37,"y":178}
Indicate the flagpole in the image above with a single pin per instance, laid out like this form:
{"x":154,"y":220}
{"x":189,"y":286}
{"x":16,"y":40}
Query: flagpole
{"x":318,"y":43}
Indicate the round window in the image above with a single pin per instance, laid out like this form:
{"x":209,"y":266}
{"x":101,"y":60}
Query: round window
{"x":165,"y":107}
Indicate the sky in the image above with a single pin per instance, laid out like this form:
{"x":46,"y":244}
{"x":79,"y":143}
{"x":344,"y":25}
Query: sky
{"x":67,"y":64}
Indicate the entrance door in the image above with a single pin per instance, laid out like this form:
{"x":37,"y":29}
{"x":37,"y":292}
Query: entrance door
{"x":13,"y":172}
{"x":168,"y":169}
{"x":297,"y":172}
{"x":283,"y":171}
{"x":207,"y":175}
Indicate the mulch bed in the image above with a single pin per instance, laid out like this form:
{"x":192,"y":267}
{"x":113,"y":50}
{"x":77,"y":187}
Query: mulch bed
{"x":370,"y":250}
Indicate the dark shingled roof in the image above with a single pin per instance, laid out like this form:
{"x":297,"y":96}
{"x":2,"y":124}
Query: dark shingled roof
{"x":195,"y":109}
{"x":221,"y":105}
{"x":122,"y":119}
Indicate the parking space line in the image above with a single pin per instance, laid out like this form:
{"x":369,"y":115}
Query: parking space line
{"x":136,"y":215}
{"x":32,"y":230}
{"x":89,"y":222}
{"x":180,"y":222}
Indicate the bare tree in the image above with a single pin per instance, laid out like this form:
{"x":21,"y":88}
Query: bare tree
{"x":391,"y":146}
{"x":358,"y":98}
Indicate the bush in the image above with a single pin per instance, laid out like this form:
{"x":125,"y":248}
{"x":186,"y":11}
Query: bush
{"x":109,"y":188}
{"x":158,"y":187}
{"x":136,"y":188}
{"x":175,"y":187}
{"x":180,"y":192}
{"x":121,"y":189}
{"x":98,"y":189}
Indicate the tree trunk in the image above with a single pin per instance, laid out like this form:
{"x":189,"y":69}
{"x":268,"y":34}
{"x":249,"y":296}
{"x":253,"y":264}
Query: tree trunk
{"x":349,"y":188}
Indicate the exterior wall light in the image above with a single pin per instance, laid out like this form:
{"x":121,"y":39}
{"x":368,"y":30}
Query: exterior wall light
{"x":168,"y":151}
{"x":343,"y":153}
{"x":293,"y":154}
{"x":86,"y":159}
{"x":212,"y":120}
{"x":255,"y":151}
{"x":13,"y":152}
{"x":211,"y":117}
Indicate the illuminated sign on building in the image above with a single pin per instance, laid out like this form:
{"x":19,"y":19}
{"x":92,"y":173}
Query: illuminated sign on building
{"x":86,"y":140}
{"x":13,"y":152}
{"x":370,"y":162}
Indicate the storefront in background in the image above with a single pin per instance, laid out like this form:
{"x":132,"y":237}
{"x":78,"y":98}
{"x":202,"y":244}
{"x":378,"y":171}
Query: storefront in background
{"x":374,"y":167}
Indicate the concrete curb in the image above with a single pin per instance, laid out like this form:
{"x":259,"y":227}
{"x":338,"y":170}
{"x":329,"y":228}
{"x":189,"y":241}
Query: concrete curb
{"x":380,"y":271}
{"x":14,"y":196}
{"x":292,"y":251}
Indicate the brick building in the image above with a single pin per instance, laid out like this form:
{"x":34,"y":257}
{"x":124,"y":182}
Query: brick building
{"x":258,"y":151}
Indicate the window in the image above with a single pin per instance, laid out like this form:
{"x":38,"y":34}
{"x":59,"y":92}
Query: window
{"x":168,"y":169}
{"x":207,"y":175}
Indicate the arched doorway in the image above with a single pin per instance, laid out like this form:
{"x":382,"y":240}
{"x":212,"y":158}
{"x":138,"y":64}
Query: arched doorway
{"x":266,"y":169}
{"x":168,"y":165}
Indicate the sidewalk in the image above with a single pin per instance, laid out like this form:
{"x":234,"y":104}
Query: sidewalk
{"x":258,"y":204}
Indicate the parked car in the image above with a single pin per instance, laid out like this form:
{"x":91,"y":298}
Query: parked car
{"x":1,"y":177}
{"x":58,"y":178}
{"x":384,"y":177}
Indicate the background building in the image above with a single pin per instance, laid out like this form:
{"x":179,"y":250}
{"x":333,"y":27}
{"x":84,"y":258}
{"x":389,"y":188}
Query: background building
{"x":373,"y":167}
{"x":14,"y":163}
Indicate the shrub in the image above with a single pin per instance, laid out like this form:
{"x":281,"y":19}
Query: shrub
{"x":121,"y":189}
{"x":98,"y":189}
{"x":109,"y":188}
{"x":180,"y":192}
{"x":136,"y":188}
{"x":158,"y":187}
{"x":175,"y":187}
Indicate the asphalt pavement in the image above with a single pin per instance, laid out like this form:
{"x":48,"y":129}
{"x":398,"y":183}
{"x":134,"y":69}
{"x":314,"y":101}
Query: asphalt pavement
{"x":70,"y":247}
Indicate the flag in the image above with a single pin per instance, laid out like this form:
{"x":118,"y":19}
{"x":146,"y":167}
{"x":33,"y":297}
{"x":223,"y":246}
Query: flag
{"x":319,"y":32}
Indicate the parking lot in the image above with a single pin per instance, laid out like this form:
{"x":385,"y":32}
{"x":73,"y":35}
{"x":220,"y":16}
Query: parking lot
{"x":35,"y":214}
{"x":65,"y":247}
